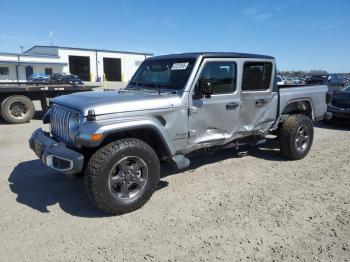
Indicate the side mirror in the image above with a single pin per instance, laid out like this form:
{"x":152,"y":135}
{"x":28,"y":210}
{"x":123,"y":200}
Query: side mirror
{"x":205,"y":88}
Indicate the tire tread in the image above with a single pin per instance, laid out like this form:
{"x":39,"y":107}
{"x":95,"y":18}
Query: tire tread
{"x":95,"y":166}
{"x":6,"y":103}
{"x":287,"y":133}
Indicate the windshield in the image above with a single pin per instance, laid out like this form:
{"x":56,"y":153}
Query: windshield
{"x":347,"y":89}
{"x":163,"y":73}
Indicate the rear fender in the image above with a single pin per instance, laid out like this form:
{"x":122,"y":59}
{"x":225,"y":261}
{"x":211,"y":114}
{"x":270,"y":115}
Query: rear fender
{"x":299,"y":106}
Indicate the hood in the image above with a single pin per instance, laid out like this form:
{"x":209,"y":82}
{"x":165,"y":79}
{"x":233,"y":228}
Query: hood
{"x":108,"y":102}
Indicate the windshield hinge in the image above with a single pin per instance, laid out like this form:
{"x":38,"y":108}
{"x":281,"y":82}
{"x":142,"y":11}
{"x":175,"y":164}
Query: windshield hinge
{"x":90,"y":116}
{"x":192,"y":133}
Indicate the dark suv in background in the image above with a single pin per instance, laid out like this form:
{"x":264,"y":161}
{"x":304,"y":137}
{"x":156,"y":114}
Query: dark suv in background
{"x":66,"y":79}
{"x":339,"y":105}
{"x":57,"y":77}
{"x":331,"y":80}
{"x":316,"y":79}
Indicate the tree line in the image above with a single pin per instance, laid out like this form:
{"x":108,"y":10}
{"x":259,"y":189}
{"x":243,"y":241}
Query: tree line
{"x":301,"y":73}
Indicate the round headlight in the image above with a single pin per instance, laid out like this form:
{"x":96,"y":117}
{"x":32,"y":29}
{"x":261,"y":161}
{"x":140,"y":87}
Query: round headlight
{"x":74,"y":122}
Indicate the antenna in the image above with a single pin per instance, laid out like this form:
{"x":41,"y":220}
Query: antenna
{"x":51,"y":36}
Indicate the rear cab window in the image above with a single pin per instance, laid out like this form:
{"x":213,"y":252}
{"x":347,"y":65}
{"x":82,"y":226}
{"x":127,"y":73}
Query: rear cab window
{"x":256,"y":76}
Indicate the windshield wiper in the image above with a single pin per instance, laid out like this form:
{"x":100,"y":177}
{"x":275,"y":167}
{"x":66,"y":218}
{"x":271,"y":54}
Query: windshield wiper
{"x":159,"y":88}
{"x":136,"y":84}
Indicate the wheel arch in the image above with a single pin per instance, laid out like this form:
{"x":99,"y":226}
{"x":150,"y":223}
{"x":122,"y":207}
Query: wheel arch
{"x":301,"y":106}
{"x":148,"y":133}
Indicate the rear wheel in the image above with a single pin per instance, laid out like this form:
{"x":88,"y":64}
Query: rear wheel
{"x":296,"y":137}
{"x":122,"y":176}
{"x":17,"y":109}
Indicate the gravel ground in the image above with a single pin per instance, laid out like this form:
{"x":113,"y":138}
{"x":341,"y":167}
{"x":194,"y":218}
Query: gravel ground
{"x":248,"y":204}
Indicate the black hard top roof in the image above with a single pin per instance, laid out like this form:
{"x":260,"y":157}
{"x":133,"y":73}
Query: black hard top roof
{"x":211,"y":55}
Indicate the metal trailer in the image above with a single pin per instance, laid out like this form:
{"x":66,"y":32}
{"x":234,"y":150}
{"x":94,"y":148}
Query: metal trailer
{"x":16,"y":99}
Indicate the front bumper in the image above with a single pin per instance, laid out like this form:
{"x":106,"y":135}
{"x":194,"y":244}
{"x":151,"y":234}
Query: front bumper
{"x":55,"y":154}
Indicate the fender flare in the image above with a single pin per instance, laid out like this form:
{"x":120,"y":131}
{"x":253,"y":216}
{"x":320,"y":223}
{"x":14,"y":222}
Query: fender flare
{"x":301,"y":102}
{"x":128,"y":124}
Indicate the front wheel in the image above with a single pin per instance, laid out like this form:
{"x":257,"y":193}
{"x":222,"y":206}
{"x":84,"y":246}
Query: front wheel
{"x":296,"y":137}
{"x":122,"y":176}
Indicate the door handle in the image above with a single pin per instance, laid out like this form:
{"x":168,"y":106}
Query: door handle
{"x":260,"y":102}
{"x":232,"y":105}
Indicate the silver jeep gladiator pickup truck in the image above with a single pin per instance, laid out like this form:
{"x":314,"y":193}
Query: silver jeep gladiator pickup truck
{"x":173,"y":107}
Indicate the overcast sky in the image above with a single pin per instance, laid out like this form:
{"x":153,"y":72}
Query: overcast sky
{"x":300,"y":34}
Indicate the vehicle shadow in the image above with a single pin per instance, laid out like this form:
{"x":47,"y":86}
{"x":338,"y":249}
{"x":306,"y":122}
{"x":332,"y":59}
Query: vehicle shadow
{"x":269,"y":151}
{"x":2,"y":121}
{"x":335,"y":125}
{"x":39,"y":187}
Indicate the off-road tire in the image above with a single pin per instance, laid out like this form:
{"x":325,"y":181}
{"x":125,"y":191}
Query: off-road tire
{"x":100,"y":165}
{"x":288,"y":133}
{"x":10,"y":118}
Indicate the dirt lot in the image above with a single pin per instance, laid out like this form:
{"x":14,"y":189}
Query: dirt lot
{"x":248,"y":204}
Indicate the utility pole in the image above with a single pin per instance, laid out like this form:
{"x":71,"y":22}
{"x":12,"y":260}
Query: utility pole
{"x":51,"y":35}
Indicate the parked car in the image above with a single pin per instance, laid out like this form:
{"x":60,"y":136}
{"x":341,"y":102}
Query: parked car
{"x":316,"y":79}
{"x":174,"y":106}
{"x":57,"y":78}
{"x":331,"y":80}
{"x":280,"y":80}
{"x":38,"y":78}
{"x":289,"y":81}
{"x":339,"y":105}
{"x":345,"y":81}
{"x":296,"y":81}
{"x":66,"y":79}
{"x":73,"y":80}
{"x":302,"y":80}
{"x":334,"y":80}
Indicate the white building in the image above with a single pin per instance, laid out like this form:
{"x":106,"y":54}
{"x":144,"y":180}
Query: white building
{"x":89,"y":64}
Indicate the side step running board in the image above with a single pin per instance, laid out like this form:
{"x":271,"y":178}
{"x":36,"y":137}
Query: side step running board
{"x":180,"y":162}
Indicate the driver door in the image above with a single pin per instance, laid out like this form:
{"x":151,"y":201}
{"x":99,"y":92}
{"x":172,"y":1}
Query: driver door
{"x":214,"y":120}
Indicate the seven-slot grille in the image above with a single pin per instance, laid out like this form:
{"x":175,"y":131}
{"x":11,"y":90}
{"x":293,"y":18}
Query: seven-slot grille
{"x":59,"y":119}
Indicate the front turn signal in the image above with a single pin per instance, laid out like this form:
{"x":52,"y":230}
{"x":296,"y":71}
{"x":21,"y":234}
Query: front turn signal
{"x":96,"y":137}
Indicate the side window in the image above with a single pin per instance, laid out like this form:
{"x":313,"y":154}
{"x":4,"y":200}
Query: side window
{"x":48,"y":71}
{"x":256,"y":76}
{"x":4,"y":71}
{"x":222,"y":75}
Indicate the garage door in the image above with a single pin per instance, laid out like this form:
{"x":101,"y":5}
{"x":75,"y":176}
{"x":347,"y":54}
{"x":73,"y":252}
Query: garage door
{"x":112,"y":69}
{"x":80,"y":66}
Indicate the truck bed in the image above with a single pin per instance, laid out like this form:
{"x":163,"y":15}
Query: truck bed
{"x":315,"y":94}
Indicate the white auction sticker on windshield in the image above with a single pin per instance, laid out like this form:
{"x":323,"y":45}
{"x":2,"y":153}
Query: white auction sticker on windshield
{"x":179,"y":66}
